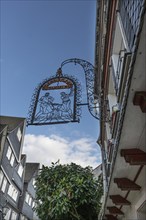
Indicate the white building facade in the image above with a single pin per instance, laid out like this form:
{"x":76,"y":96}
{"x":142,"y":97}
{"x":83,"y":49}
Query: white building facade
{"x":120,"y":60}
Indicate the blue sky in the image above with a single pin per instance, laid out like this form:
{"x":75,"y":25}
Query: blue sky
{"x":36,"y":36}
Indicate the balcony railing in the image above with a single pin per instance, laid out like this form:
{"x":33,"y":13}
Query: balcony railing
{"x":130,"y":16}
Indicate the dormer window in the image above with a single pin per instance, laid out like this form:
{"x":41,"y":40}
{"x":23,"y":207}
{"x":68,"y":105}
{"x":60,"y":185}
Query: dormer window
{"x":3,"y":181}
{"x":12,"y":159}
{"x":9,"y":152}
{"x":14,"y":215}
{"x":20,"y":170}
{"x":22,"y":217}
{"x":13,"y":192}
{"x":28,"y":199}
{"x":7,"y":215}
{"x":34,"y":182}
{"x":10,"y":156}
{"x":33,"y":204}
{"x":1,"y":177}
{"x":19,"y":134}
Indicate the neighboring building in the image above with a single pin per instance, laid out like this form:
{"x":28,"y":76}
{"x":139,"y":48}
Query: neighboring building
{"x":11,"y":165}
{"x":13,"y":169}
{"x":27,"y":200}
{"x":97,"y":171}
{"x":120,"y":61}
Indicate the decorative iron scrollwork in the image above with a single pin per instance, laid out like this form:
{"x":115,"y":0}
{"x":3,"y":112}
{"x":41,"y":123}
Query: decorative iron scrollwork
{"x":56,"y":100}
{"x":89,"y":70}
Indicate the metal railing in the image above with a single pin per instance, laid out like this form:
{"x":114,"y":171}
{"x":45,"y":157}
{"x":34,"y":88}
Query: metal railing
{"x":130,"y":11}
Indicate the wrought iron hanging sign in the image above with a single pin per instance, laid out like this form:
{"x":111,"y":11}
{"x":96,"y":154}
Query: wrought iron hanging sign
{"x":55,"y":100}
{"x":58,"y":99}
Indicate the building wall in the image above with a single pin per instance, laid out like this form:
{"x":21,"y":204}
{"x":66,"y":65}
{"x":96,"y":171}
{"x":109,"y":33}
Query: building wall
{"x":27,"y":208}
{"x":121,"y":72}
{"x":12,"y":170}
{"x":11,"y":185}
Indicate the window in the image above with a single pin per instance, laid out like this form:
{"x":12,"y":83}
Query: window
{"x":3,"y":181}
{"x":33,"y":204}
{"x":13,"y":192}
{"x":14,"y":215}
{"x":33,"y":182}
{"x":11,"y":215}
{"x":7,"y":216}
{"x":117,"y":65}
{"x":9,"y":152}
{"x":28,"y":199}
{"x":130,"y":11}
{"x":22,"y":217}
{"x":12,"y":160}
{"x":20,"y":170}
{"x":10,"y":156}
{"x":4,"y":184}
{"x":1,"y":177}
{"x":19,"y":134}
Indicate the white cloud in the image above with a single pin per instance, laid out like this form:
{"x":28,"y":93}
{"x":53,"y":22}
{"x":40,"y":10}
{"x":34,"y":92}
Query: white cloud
{"x":44,"y":150}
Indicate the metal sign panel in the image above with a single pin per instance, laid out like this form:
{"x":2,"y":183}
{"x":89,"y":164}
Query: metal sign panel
{"x":56,"y":100}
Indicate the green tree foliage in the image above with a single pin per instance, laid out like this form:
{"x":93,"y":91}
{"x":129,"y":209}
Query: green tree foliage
{"x":67,"y":192}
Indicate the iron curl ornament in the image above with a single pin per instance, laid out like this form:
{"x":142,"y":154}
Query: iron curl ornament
{"x":57,"y":99}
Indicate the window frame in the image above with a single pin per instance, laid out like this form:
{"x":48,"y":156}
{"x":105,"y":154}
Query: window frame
{"x":10,"y":155}
{"x":15,"y":215}
{"x":13,"y":192}
{"x":34,"y":182}
{"x":9,"y":152}
{"x":4,"y":184}
{"x":19,"y":134}
{"x":8,"y":215}
{"x":1,"y":177}
{"x":22,"y":217}
{"x":12,"y":160}
{"x":20,"y":170}
{"x":28,"y":199}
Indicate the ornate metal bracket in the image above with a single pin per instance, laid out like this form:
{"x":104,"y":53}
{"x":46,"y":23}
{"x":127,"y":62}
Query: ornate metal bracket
{"x":89,"y":71}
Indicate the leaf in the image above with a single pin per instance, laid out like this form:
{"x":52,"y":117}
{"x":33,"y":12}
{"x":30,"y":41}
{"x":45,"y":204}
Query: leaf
{"x":67,"y":192}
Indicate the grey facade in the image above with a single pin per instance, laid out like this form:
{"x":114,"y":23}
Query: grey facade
{"x":11,"y":182}
{"x":27,"y":200}
{"x":14,"y":172}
